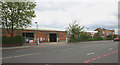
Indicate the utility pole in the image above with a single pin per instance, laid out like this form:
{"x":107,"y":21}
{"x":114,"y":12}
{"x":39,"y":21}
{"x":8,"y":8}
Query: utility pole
{"x":37,"y":33}
{"x":66,"y":36}
{"x":25,"y":37}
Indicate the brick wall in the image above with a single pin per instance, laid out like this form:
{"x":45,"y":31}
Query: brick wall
{"x":41,"y":34}
{"x":16,"y":32}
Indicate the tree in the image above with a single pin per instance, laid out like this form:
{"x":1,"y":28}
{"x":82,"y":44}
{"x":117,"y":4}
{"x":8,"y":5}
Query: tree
{"x":109,"y":37}
{"x":114,"y":36}
{"x":98,"y":33}
{"x":74,"y":28}
{"x":98,"y":38}
{"x":83,"y":35}
{"x":17,"y":15}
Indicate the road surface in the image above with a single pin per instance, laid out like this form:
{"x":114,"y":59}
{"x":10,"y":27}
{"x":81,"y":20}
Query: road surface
{"x":80,"y":52}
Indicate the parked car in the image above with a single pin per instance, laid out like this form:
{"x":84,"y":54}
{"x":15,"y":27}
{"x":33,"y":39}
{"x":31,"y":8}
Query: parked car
{"x":116,"y":39}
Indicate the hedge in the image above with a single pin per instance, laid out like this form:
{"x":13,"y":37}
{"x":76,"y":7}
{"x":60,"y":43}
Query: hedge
{"x":15,"y":40}
{"x":96,"y":38}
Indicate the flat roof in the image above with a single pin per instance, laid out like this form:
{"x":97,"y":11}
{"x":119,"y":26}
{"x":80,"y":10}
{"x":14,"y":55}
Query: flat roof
{"x":92,"y":31}
{"x":43,"y":29}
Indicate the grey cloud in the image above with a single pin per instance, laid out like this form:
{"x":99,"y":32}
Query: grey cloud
{"x":94,"y":26}
{"x":54,"y":6}
{"x":62,"y":6}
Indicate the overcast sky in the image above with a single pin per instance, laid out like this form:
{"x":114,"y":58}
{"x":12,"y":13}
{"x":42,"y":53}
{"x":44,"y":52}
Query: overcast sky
{"x":92,"y":14}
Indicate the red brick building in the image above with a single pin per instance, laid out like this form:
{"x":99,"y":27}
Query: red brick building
{"x":43,"y":35}
{"x":105,"y":32}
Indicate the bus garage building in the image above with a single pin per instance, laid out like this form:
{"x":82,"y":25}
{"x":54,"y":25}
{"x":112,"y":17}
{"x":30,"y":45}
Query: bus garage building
{"x":43,"y":35}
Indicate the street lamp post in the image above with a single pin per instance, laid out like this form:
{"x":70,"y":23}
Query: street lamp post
{"x":37,"y":33}
{"x":66,"y":37}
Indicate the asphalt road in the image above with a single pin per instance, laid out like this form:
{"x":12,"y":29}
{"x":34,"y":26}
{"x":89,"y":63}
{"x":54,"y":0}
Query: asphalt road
{"x":81,"y":52}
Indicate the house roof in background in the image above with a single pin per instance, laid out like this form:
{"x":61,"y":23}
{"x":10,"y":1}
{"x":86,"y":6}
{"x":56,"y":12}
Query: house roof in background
{"x":103,"y":29}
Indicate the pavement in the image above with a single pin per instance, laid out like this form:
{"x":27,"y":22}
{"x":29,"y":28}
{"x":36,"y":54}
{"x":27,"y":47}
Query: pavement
{"x":80,"y":52}
{"x":32,"y":45}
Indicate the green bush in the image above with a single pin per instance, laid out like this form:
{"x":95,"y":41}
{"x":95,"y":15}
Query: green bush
{"x":73,"y":40}
{"x":109,"y":37}
{"x":98,"y":38}
{"x":91,"y":39}
{"x":15,"y":40}
{"x":83,"y":36}
{"x":114,"y":36}
{"x":73,"y":37}
{"x":104,"y":39}
{"x":80,"y":39}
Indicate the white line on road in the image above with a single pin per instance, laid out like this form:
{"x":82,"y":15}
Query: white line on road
{"x":15,"y":47}
{"x":90,"y":53}
{"x":110,"y":48}
{"x":6,"y":57}
{"x":20,"y":55}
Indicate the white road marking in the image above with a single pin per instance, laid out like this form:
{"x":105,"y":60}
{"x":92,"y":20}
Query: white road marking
{"x":110,"y":48}
{"x":20,"y":55}
{"x":6,"y":57}
{"x":15,"y":47}
{"x":90,"y":53}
